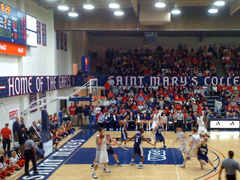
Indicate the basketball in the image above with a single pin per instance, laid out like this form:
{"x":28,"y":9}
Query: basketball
{"x":101,"y":136}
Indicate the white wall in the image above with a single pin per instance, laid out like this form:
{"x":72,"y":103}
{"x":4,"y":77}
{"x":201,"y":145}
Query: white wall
{"x":101,"y":43}
{"x":38,"y":61}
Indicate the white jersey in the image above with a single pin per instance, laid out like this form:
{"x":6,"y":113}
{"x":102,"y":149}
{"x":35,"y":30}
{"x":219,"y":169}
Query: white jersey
{"x":103,"y":146}
{"x":156,"y":117}
{"x":195,"y":139}
{"x":183,"y":141}
{"x":200,"y":121}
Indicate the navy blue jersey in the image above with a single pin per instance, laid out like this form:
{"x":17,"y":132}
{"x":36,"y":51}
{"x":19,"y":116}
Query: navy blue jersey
{"x":159,"y":130}
{"x":203,"y":150}
{"x":138,"y":139}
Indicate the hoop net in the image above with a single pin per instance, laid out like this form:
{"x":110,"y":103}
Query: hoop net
{"x":100,"y":99}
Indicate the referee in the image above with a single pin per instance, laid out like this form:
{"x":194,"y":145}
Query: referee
{"x":30,"y":154}
{"x":180,"y":120}
{"x":231,"y":166}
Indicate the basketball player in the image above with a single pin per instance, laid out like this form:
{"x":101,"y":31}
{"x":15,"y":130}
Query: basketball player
{"x":155,"y":119}
{"x":138,"y":148}
{"x":124,"y":133}
{"x":101,"y":152}
{"x":202,"y":154}
{"x":110,"y":141}
{"x":181,"y":136}
{"x":158,"y":134}
{"x":201,"y":125}
{"x":192,"y":151}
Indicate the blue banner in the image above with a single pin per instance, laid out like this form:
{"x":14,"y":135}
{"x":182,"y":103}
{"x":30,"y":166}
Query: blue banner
{"x":86,"y":68}
{"x":20,"y":85}
{"x":164,"y":80}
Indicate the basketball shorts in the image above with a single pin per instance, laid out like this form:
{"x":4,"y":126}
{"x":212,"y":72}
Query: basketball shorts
{"x":154,"y":123}
{"x":138,"y":150}
{"x":203,"y":158}
{"x":159,"y":138}
{"x":110,"y":151}
{"x":124,"y":135}
{"x":101,"y":157}
{"x":192,"y":152}
{"x":202,"y":129}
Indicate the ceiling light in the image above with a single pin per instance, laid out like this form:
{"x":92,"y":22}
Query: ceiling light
{"x":213,"y":10}
{"x":63,"y":6}
{"x":114,"y":6}
{"x":88,"y":6}
{"x":118,"y":13}
{"x":219,"y":3}
{"x":73,"y":13}
{"x":160,"y":5}
{"x":176,"y":10}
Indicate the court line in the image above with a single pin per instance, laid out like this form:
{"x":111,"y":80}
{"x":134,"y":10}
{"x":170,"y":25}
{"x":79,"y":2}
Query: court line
{"x":174,"y":160}
{"x":212,"y":170}
{"x":217,"y":172}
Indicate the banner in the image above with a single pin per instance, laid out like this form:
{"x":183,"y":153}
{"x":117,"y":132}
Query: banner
{"x":44,"y":34}
{"x":38,"y":32}
{"x":13,"y":113}
{"x":20,"y":85}
{"x":14,"y":86}
{"x":158,"y":80}
{"x":12,"y":48}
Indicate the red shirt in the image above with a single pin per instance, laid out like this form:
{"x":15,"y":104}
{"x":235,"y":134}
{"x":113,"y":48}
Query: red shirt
{"x":111,"y":95}
{"x":134,"y":107}
{"x":178,"y":107}
{"x":6,"y":132}
{"x":124,"y":98}
{"x":146,"y":98}
{"x":72,"y":110}
{"x":107,"y":86}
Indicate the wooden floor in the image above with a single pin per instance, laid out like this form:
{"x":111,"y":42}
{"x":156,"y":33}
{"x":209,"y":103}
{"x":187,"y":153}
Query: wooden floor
{"x":219,"y":143}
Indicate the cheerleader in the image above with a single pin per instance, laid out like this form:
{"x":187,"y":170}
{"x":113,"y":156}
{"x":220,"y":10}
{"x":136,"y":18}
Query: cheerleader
{"x":55,"y":138}
{"x":4,"y":170}
{"x":14,"y":160}
{"x":70,"y":129}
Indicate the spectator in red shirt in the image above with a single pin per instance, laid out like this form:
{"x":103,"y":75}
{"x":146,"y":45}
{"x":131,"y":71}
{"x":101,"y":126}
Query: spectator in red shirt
{"x":146,"y":98}
{"x":6,"y":134}
{"x":125,"y":98}
{"x":72,"y":110}
{"x":110,"y":95}
{"x":178,"y":107}
{"x":107,"y":87}
{"x":134,"y":107}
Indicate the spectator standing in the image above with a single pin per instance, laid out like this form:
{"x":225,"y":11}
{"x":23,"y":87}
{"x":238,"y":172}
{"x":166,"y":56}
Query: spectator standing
{"x":180,"y":120}
{"x":230,"y":165}
{"x":86,"y":115}
{"x":93,"y":117}
{"x":30,"y":154}
{"x":22,"y":137}
{"x":79,"y":111}
{"x":107,"y":88}
{"x":218,"y":107}
{"x":6,"y":134}
{"x":16,"y":126}
{"x":72,"y":110}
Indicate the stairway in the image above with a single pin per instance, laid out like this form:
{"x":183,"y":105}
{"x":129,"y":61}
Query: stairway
{"x":220,"y":69}
{"x":210,"y":101}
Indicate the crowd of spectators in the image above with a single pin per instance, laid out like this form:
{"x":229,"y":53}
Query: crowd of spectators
{"x":230,"y":56}
{"x":182,"y":61}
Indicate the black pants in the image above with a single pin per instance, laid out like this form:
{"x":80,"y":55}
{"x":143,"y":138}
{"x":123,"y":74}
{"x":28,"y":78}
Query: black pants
{"x":6,"y":142}
{"x":180,"y":125}
{"x":29,"y":155}
{"x":231,"y":177}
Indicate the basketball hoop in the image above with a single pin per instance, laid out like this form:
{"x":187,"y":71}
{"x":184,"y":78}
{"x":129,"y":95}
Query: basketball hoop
{"x":100,"y":99}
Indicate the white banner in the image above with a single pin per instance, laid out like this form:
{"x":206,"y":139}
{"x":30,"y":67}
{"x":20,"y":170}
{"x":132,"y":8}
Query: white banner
{"x":224,"y":124}
{"x":48,"y":148}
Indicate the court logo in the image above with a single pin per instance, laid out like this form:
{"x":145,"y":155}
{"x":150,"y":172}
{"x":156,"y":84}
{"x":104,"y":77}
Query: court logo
{"x":157,"y":155}
{"x":218,"y":123}
{"x":232,"y":123}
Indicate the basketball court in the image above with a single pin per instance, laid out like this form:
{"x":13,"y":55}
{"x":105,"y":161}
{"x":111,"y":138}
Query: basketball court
{"x":73,"y":160}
